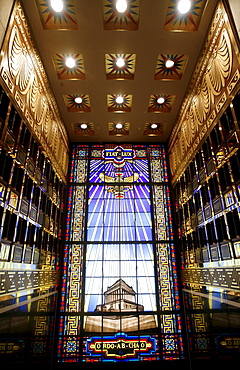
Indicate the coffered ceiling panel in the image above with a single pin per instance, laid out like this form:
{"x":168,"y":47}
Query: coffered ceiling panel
{"x":77,"y":103}
{"x":176,"y":21}
{"x":118,"y":129}
{"x":139,"y":54}
{"x":65,"y":20}
{"x":154,"y":129}
{"x":119,"y":103}
{"x":120,"y":66}
{"x":170,"y":67}
{"x":114,"y":20}
{"x":83,"y":129}
{"x":161,"y":103}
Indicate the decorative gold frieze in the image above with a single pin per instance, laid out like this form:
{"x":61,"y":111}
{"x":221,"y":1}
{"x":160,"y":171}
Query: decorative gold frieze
{"x":214,"y":81}
{"x":25,"y":79}
{"x":222,"y":277}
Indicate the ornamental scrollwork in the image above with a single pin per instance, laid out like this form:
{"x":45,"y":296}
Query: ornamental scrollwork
{"x":210,"y":82}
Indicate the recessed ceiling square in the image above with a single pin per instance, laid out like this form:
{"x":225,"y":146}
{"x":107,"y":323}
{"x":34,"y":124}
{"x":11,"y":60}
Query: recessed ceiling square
{"x":125,"y":71}
{"x":77,"y":106}
{"x":175,"y":21}
{"x":83,"y":129}
{"x":165,"y":106}
{"x":77,"y":72}
{"x":114,"y":131}
{"x":175,"y":72}
{"x":127,"y":21}
{"x":156,"y":131}
{"x":124,"y":105}
{"x":52,"y":20}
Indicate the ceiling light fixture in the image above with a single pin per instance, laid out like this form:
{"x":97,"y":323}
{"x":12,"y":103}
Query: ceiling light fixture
{"x":169,"y":63}
{"x":121,"y":6}
{"x":78,"y":100}
{"x":119,"y":99}
{"x":120,"y":62}
{"x":119,"y":126}
{"x":184,"y":6}
{"x":57,"y":5}
{"x":83,"y":126}
{"x":161,"y":100}
{"x":70,"y":62}
{"x":154,"y":126}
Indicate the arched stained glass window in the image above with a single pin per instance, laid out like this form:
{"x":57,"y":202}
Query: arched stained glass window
{"x":119,"y":298}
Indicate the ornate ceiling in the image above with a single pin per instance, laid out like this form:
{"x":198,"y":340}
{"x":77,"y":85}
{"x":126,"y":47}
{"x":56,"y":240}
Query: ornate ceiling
{"x":95,"y":35}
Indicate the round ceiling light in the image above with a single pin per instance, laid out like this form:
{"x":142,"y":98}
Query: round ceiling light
{"x":169,"y":63}
{"x":119,"y":126}
{"x":121,"y":6}
{"x":57,"y":5}
{"x":119,"y":99}
{"x":161,"y":100}
{"x":184,"y":6}
{"x":120,"y":62}
{"x":83,"y":126}
{"x":154,"y":126}
{"x":78,"y":100}
{"x":70,"y":62}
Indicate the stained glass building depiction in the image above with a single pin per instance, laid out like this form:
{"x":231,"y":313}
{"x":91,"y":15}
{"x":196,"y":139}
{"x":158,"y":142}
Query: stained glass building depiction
{"x":119,"y":186}
{"x":126,"y":225}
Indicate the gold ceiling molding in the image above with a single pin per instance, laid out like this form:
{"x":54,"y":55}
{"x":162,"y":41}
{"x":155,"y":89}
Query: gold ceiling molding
{"x":24,"y":76}
{"x":214,"y":81}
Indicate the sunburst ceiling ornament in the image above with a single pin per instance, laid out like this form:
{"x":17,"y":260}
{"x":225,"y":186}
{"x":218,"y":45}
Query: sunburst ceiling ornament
{"x":77,"y":103}
{"x":154,"y":129}
{"x":189,"y":21}
{"x":170,"y":71}
{"x":161,"y":103}
{"x":83,"y":129}
{"x":116,"y":18}
{"x":119,"y":103}
{"x":64,"y":72}
{"x":55,"y":19}
{"x":118,"y":129}
{"x":121,"y":71}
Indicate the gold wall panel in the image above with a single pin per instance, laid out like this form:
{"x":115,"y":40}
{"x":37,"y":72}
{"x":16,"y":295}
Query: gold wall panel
{"x":214,"y":82}
{"x":25,"y":79}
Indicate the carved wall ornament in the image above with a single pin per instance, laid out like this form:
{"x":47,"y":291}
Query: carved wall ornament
{"x":25,"y":79}
{"x":213,"y":82}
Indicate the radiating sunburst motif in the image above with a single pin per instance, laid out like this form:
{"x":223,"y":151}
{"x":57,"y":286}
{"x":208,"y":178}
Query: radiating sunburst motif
{"x":51,"y":20}
{"x":113,"y":20}
{"x":125,"y":106}
{"x":81,"y":106}
{"x":114,"y":131}
{"x":158,"y":131}
{"x":80,"y":131}
{"x":173,"y":73}
{"x":156,"y":107}
{"x":126,"y":72}
{"x":66,"y":73}
{"x":175,"y":21}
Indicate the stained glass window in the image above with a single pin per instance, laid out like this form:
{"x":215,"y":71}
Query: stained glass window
{"x":120,"y":285}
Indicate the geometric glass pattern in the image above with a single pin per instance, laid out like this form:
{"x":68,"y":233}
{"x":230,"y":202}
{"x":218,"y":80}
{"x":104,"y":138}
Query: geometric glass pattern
{"x":51,"y":20}
{"x":170,"y":73}
{"x":115,"y":72}
{"x":113,"y":20}
{"x":66,"y":73}
{"x":175,"y":21}
{"x":82,"y":106}
{"x":120,"y":297}
{"x":158,"y":107}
